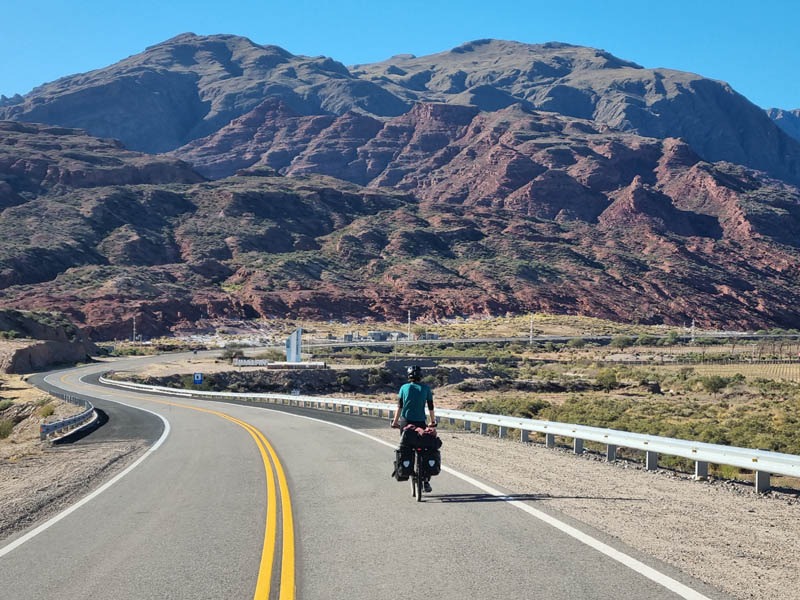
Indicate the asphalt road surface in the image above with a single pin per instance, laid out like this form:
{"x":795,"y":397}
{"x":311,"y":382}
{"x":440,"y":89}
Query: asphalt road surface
{"x":245,"y":501}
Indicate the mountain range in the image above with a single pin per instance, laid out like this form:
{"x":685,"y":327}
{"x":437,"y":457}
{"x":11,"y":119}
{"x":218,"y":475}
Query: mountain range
{"x":495,"y":177}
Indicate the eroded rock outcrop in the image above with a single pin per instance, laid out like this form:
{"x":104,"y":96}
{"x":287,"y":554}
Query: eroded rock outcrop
{"x":33,"y":341}
{"x":488,"y":213}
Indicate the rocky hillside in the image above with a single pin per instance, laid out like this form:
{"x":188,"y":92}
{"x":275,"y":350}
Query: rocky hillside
{"x":512,"y":210}
{"x":191,"y":86}
{"x":33,"y":341}
{"x":788,"y":120}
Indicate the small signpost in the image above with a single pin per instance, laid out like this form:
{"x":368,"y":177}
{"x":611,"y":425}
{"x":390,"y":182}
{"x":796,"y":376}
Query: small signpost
{"x":198,"y":379}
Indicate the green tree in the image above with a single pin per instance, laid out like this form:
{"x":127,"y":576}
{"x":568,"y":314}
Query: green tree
{"x":621,"y":342}
{"x":607,"y":379}
{"x":576,"y":343}
{"x":230,"y":353}
{"x":714,"y":384}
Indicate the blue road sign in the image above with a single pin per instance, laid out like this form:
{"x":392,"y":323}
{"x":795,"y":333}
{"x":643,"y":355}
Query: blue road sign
{"x":198,"y":379}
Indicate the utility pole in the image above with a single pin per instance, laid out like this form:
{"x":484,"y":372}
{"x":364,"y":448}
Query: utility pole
{"x":693,"y":331}
{"x":408,"y":334}
{"x":134,"y":329}
{"x":530,"y":339}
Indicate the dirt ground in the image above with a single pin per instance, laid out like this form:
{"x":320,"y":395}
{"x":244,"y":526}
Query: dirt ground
{"x":38,"y":479}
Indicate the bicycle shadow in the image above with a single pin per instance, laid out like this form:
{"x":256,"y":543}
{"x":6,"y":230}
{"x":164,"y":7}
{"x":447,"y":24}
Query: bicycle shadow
{"x":457,"y":498}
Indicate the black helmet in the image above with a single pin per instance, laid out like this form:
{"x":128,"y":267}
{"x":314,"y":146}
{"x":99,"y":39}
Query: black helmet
{"x":414,"y":372}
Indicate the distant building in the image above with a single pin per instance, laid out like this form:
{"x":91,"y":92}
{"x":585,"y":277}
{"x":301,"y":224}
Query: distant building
{"x":428,"y":336}
{"x":378,"y":336}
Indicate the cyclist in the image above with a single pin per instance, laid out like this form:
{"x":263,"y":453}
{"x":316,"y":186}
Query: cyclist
{"x":411,"y":401}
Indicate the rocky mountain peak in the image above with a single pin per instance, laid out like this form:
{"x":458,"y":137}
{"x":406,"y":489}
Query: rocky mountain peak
{"x":787,"y":120}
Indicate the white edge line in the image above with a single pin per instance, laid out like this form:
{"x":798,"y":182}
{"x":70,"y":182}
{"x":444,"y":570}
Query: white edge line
{"x":650,"y":573}
{"x":49,"y":523}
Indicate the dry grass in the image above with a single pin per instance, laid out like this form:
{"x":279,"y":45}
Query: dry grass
{"x":16,"y":389}
{"x":777,"y":372}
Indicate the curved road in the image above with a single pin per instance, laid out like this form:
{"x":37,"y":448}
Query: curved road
{"x":240,"y":501}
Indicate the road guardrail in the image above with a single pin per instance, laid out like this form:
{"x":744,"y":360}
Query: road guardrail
{"x":762,"y":462}
{"x":70,"y":424}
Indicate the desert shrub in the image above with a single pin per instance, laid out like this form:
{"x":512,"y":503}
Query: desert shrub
{"x":343,"y":381}
{"x":9,"y":335}
{"x":47,"y":410}
{"x":230,"y":353}
{"x":378,"y":376}
{"x":576,"y":343}
{"x":442,"y":375}
{"x":6,"y":427}
{"x":275,"y":355}
{"x":4,"y":404}
{"x":670,"y":340}
{"x":528,"y":408}
{"x":621,"y":342}
{"x":501,"y":370}
{"x":714,"y":384}
{"x":607,"y":379}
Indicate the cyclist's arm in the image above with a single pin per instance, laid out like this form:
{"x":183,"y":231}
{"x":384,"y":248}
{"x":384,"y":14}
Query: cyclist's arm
{"x":430,"y":407}
{"x":396,"y":419}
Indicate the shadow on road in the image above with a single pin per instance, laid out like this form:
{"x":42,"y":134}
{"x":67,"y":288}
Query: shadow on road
{"x":514,"y":497}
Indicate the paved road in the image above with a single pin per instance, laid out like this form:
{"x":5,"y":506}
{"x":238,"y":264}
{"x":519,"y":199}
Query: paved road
{"x":192,"y":521}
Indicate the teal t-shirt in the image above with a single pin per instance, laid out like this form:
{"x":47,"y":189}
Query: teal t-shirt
{"x":414,"y":397}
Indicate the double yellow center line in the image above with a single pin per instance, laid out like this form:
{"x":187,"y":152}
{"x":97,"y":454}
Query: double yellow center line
{"x":287,"y":578}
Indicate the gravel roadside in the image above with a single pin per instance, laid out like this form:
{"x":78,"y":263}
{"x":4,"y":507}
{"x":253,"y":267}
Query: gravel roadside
{"x":720,"y":532}
{"x":37,"y":486}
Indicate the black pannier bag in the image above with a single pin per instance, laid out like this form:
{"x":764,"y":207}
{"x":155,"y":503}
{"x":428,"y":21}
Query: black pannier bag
{"x":403,"y":463}
{"x":409,"y":438}
{"x":429,"y":442}
{"x":431,"y":462}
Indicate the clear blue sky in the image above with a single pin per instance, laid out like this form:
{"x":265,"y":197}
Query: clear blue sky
{"x":755,"y":46}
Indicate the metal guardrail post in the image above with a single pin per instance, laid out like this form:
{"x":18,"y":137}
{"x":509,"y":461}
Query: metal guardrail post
{"x":503,"y":432}
{"x":451,"y":421}
{"x":761,"y":481}
{"x":611,"y":452}
{"x":651,"y":460}
{"x":577,"y":446}
{"x":524,"y":435}
{"x":701,"y":453}
{"x":701,"y":470}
